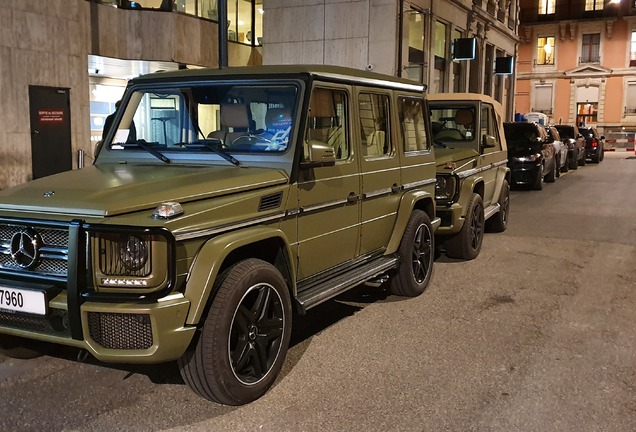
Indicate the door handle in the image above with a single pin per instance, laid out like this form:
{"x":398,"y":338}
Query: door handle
{"x":395,"y":188}
{"x":352,"y":198}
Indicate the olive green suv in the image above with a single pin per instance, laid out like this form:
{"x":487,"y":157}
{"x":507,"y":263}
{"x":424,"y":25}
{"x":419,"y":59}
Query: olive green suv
{"x":473,"y":180}
{"x":218,"y":201}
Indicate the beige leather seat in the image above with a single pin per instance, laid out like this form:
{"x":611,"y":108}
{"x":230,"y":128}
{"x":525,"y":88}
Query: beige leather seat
{"x":234,"y":123}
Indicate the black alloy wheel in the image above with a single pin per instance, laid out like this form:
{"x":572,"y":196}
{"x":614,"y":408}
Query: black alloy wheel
{"x":256,"y":335}
{"x":417,"y":253}
{"x":245,"y":336}
{"x":466,"y":244}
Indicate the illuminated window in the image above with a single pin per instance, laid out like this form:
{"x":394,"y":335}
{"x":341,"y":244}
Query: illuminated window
{"x":439,"y":73}
{"x":416,"y":68}
{"x":545,"y":50}
{"x":594,"y":5}
{"x":632,"y":51}
{"x":590,"y":48}
{"x":547,"y":7}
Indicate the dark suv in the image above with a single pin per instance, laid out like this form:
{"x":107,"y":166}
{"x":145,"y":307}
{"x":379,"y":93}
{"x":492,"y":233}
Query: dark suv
{"x":571,"y":135}
{"x":531,"y":155}
{"x":594,"y":144}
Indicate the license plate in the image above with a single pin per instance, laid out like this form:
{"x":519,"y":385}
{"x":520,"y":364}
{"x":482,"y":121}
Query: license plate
{"x":22,"y":300}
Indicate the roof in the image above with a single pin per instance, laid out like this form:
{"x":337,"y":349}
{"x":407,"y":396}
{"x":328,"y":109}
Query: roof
{"x":462,"y":97}
{"x":326,"y":72}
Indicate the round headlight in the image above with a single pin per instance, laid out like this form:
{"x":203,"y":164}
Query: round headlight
{"x":441,"y":184}
{"x":133,"y":253}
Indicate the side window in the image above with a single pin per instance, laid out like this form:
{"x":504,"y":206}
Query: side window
{"x":327,"y":120}
{"x":489,"y":127}
{"x":374,"y":124}
{"x":411,"y":111}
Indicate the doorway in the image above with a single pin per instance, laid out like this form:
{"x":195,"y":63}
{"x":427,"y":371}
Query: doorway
{"x":50,"y":113}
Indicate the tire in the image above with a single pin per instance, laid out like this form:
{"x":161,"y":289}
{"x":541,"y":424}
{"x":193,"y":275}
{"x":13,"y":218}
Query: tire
{"x":574,"y":164}
{"x":17,"y":348}
{"x":538,"y":182}
{"x":566,"y":166}
{"x":582,"y":161}
{"x":499,"y":221}
{"x":602,"y":154}
{"x":557,"y":167}
{"x":466,"y":244}
{"x":551,"y":176}
{"x":245,"y":336}
{"x":416,"y":252}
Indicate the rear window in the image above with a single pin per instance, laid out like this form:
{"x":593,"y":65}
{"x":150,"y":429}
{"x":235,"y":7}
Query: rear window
{"x":565,"y":131}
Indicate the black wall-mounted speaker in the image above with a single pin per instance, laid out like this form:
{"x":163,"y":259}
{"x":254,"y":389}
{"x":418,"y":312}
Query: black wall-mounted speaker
{"x":464,"y":48}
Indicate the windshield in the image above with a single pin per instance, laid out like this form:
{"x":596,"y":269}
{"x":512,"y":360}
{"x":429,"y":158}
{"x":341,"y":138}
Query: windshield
{"x":453,"y":126}
{"x":565,"y":132}
{"x":521,"y":136}
{"x":221,"y":118}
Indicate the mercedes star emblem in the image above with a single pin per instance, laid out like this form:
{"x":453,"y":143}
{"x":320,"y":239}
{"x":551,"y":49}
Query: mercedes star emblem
{"x":25,"y":248}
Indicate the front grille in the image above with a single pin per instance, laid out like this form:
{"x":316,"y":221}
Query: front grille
{"x":53,"y":251}
{"x":55,"y":324}
{"x":120,"y":331}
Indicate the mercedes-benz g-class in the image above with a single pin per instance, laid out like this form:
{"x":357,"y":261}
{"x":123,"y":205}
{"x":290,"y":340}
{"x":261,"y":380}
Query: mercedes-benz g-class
{"x":238,"y":194}
{"x":473,"y":181}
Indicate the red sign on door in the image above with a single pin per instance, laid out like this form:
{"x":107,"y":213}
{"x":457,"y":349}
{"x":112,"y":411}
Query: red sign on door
{"x":50,"y":116}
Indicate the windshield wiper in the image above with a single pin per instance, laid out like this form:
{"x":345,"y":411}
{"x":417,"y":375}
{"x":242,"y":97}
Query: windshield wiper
{"x":439,"y":143}
{"x":215,"y":146}
{"x":148,"y":147}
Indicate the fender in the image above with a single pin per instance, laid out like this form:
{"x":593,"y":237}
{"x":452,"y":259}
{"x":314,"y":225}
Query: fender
{"x":407,"y":204}
{"x":503,"y":173}
{"x":468,"y":187}
{"x":210,"y":258}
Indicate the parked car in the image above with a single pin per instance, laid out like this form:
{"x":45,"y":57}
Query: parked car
{"x":246,"y":192}
{"x":472,"y":191}
{"x":594,"y":144}
{"x":571,"y":135}
{"x":531,"y":157}
{"x":560,"y":148}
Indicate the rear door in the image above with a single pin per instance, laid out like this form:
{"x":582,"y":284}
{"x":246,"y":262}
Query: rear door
{"x":491,"y":157}
{"x":380,"y":168}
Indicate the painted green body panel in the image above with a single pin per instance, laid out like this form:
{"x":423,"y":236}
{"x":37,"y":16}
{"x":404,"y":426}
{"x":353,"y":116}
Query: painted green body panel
{"x":305,"y":221}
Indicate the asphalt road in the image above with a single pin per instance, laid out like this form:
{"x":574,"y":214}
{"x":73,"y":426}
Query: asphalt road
{"x":536,"y":334}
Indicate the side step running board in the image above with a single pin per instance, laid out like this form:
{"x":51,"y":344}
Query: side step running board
{"x":491,"y":210}
{"x":324,"y":290}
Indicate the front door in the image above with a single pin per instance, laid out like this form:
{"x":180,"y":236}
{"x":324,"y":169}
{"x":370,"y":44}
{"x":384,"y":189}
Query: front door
{"x":329,"y":196}
{"x":490,"y":156}
{"x":50,"y":130}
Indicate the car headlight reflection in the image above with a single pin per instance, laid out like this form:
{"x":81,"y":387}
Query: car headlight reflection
{"x":531,"y":158}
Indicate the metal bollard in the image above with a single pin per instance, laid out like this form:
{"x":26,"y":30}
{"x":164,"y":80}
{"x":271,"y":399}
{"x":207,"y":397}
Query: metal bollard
{"x":80,"y":159}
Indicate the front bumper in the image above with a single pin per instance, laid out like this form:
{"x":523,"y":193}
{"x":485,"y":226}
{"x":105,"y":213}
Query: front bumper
{"x":592,"y":152}
{"x":152,"y":332}
{"x":524,"y":173}
{"x":451,"y":219}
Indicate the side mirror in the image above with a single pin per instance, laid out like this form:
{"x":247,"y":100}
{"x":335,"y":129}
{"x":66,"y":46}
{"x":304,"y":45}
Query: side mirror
{"x":602,"y":137}
{"x":319,"y":154}
{"x":488,"y":141}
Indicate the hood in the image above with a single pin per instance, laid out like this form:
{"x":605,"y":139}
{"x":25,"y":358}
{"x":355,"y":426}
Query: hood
{"x":463,"y":159}
{"x":114,"y":189}
{"x":523,"y":149}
